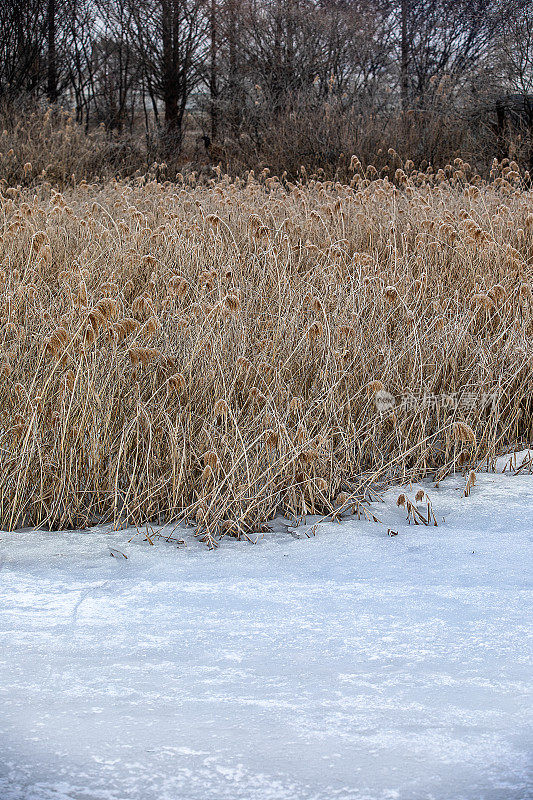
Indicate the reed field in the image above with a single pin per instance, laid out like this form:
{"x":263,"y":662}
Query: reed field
{"x":221,"y":351}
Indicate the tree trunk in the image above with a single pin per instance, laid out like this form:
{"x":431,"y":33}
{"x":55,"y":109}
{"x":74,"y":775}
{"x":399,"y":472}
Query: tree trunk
{"x":233,"y":108}
{"x":404,"y":55}
{"x":170,"y":82}
{"x":213,"y":73}
{"x":51,"y":78}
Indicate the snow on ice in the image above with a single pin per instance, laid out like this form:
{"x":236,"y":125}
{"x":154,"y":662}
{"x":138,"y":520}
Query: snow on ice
{"x":350,"y":665}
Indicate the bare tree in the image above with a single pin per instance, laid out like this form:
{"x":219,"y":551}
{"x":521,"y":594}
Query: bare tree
{"x":440,"y":39}
{"x":22,"y":39}
{"x":170,"y":35}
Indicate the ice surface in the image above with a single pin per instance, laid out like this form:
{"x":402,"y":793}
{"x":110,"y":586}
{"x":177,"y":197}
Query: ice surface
{"x":347,"y":666}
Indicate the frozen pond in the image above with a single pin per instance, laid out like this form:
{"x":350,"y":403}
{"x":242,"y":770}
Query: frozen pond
{"x":347,"y":666}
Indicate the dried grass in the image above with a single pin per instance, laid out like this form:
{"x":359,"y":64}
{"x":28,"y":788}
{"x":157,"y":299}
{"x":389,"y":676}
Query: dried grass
{"x":217,"y":352}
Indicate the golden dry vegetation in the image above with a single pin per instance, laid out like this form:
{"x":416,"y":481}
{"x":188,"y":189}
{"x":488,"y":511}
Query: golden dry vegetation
{"x":213,"y":351}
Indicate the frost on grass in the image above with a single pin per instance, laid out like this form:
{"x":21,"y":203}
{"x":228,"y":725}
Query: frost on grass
{"x":347,"y":665}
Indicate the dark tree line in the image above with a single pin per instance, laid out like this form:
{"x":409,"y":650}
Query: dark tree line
{"x":236,"y":67}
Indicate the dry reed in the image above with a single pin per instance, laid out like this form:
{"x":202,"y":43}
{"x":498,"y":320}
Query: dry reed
{"x":225,"y":351}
